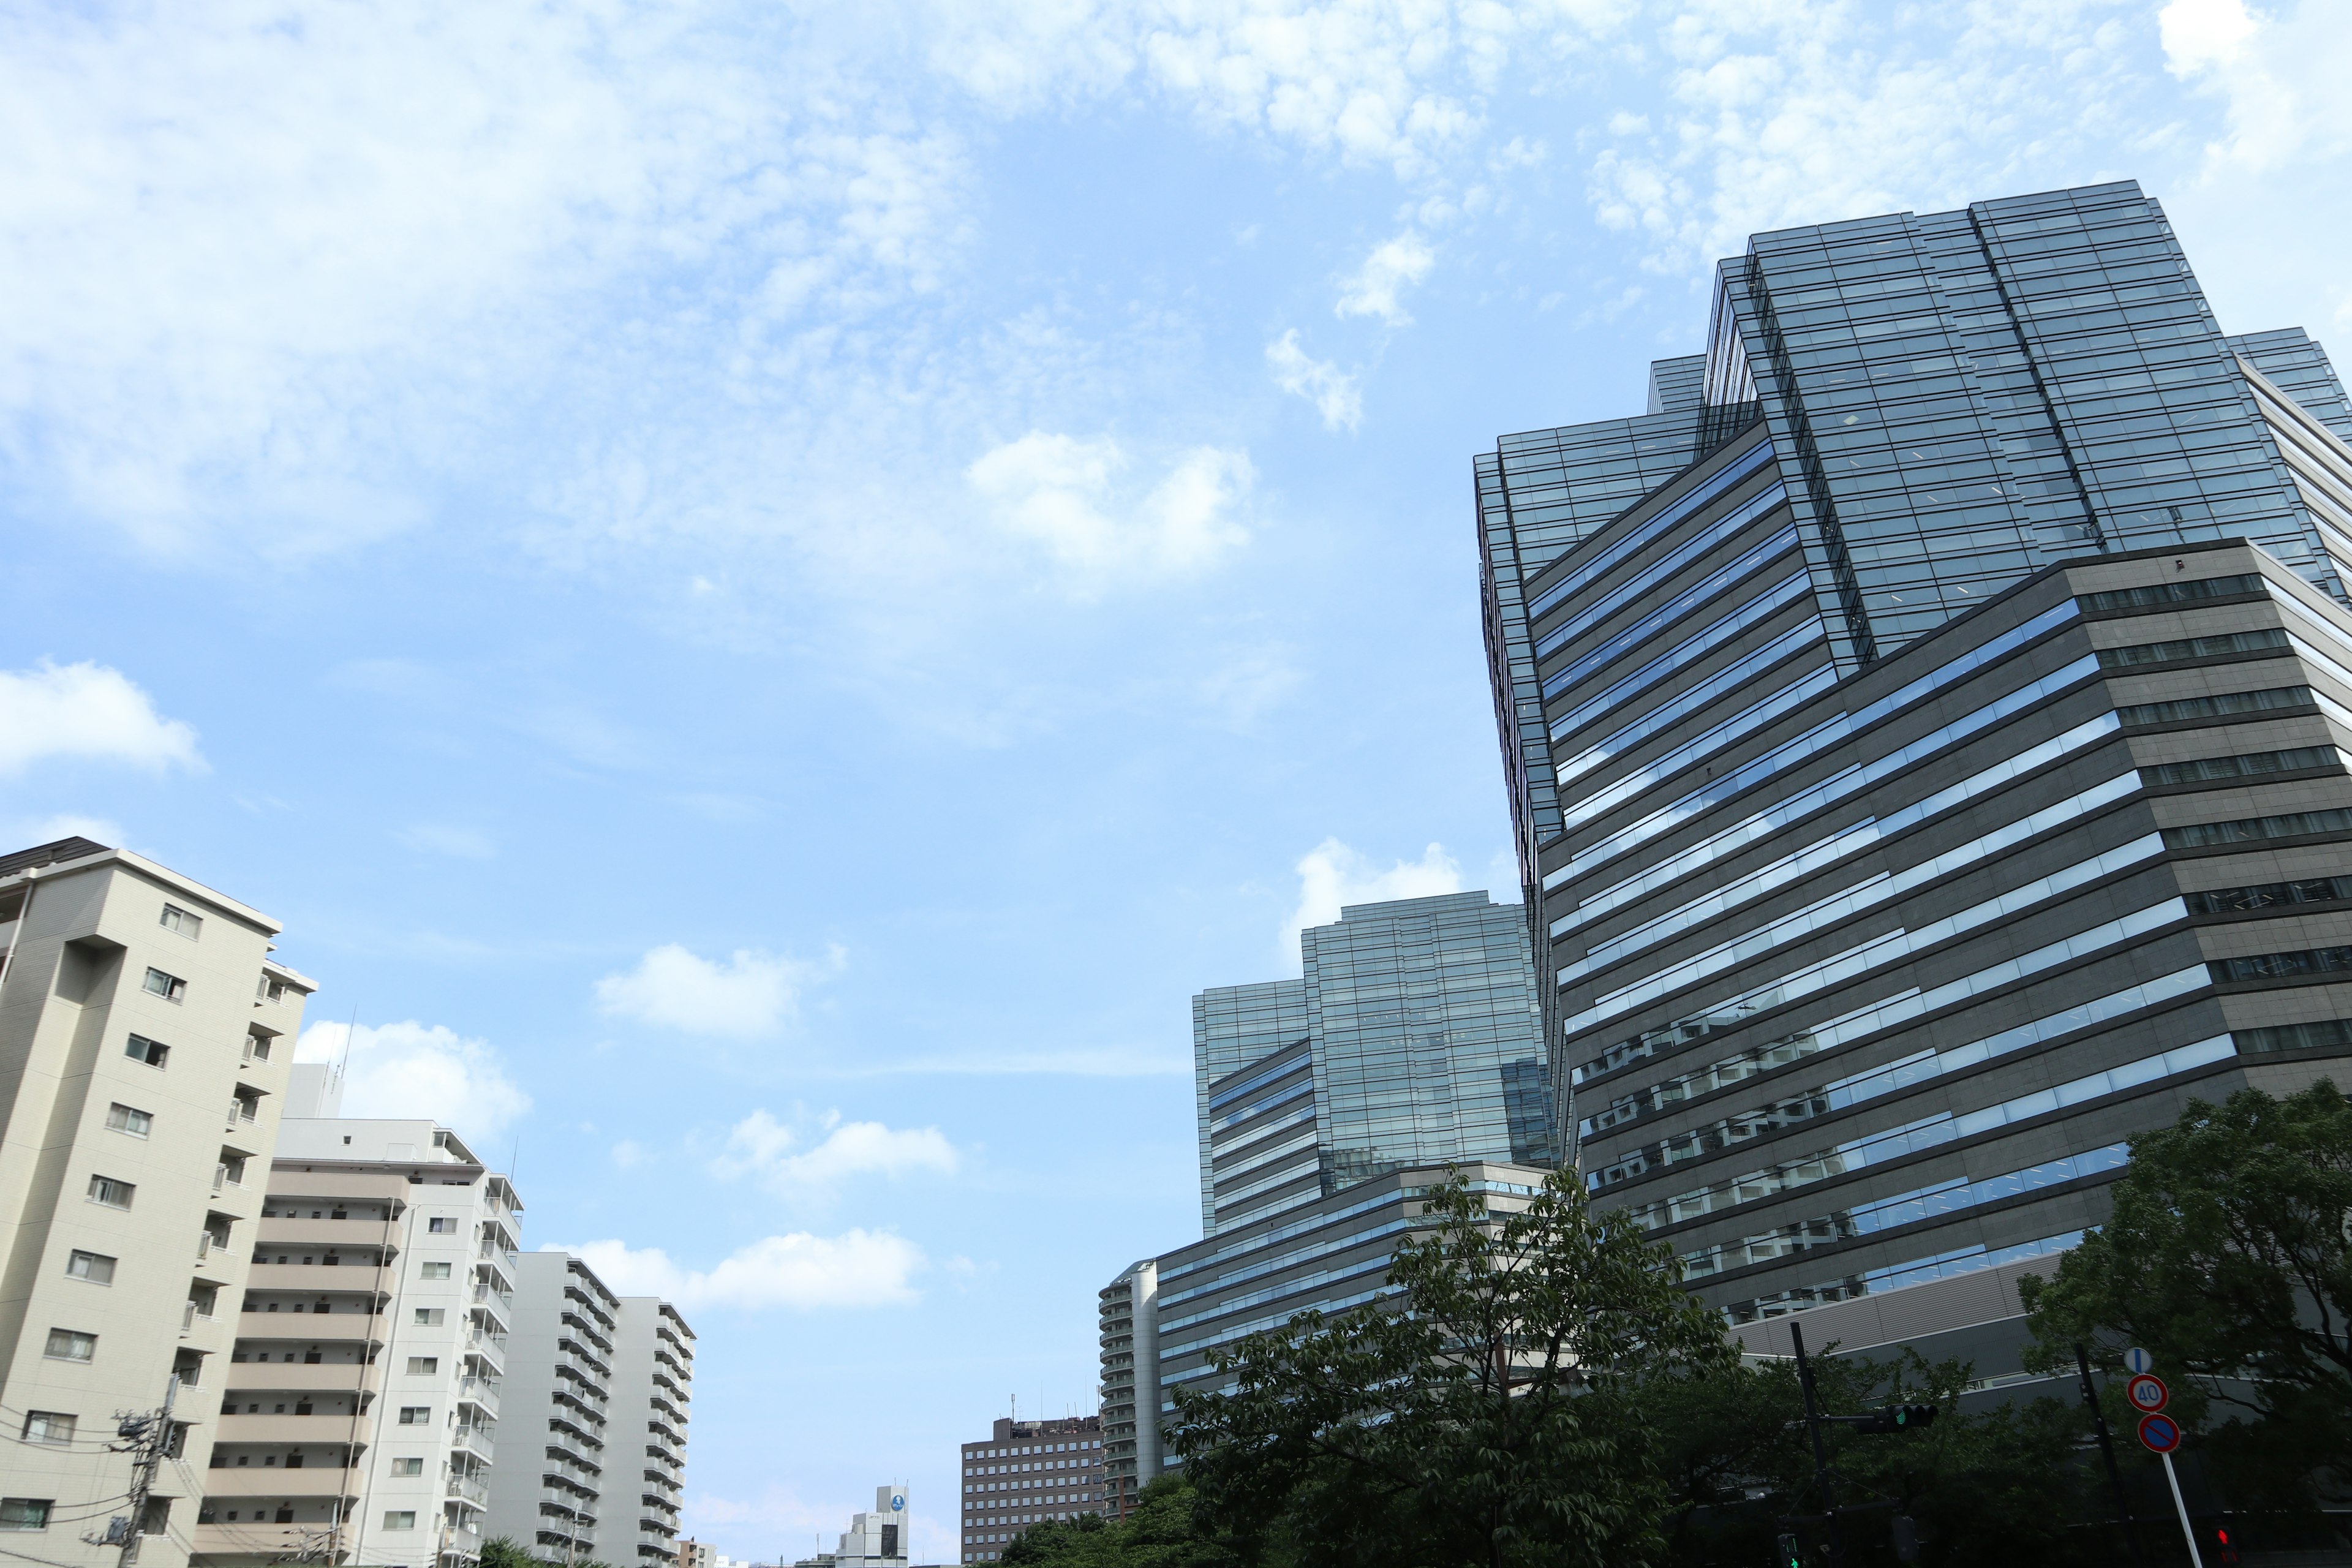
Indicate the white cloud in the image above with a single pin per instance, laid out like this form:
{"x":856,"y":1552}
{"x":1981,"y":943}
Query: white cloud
{"x":86,"y":710}
{"x":750,"y":994}
{"x":441,"y":838}
{"x":1332,"y":876}
{"x":1393,"y":265}
{"x":413,"y":1069}
{"x":855,"y":1269}
{"x":2202,"y":33}
{"x":628,"y":1154}
{"x":765,"y":1148}
{"x":1062,"y":494}
{"x":1333,"y":391}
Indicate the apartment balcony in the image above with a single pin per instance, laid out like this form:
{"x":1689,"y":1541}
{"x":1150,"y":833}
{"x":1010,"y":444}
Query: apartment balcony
{"x":354,"y":1276}
{"x":345,"y":1428}
{"x":267,"y":1543}
{"x":467,"y":1492}
{"x":297,"y":1184}
{"x":479,"y":1391}
{"x":304,"y":1377}
{"x":288,"y":1481}
{"x":477,"y":1440}
{"x":287,"y":1230}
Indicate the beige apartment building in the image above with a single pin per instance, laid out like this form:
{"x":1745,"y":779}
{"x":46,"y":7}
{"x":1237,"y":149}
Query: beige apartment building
{"x":360,"y":1407}
{"x":145,"y":1034}
{"x":653,"y":1388}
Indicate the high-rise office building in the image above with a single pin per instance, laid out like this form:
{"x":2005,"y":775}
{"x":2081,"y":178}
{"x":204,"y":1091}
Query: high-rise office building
{"x":1412,"y":1040}
{"x":358,"y":1410}
{"x":145,"y":1032}
{"x":1925,"y":729}
{"x":653,"y":1389}
{"x":1025,"y":1473}
{"x":1127,"y":1319}
{"x":563,"y":1466}
{"x":1412,"y":1036}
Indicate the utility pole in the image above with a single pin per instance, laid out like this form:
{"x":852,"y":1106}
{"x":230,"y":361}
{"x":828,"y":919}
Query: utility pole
{"x":1821,"y":1457}
{"x":2107,"y":1452}
{"x":149,"y":1436}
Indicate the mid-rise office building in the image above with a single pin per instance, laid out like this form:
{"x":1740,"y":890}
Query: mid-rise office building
{"x":1328,"y":1255}
{"x":145,"y":1032}
{"x":1414,"y":1035}
{"x":653,"y":1388}
{"x":1413,"y":1039}
{"x":361,"y":1402}
{"x":563,"y":1468}
{"x":876,"y":1539}
{"x":1129,"y":1330}
{"x":1925,"y":735}
{"x":1025,"y":1473}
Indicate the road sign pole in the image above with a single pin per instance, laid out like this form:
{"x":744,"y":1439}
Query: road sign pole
{"x":2107,"y":1451}
{"x":2187,"y":1531}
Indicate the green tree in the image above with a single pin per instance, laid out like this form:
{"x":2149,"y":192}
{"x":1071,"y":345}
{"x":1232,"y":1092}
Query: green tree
{"x":505,"y":1552}
{"x":2228,"y":1258}
{"x":1489,"y":1413}
{"x":1163,"y":1532}
{"x":2002,"y":1485}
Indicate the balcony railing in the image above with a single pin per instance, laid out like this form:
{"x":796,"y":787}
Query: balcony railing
{"x":465,"y":1489}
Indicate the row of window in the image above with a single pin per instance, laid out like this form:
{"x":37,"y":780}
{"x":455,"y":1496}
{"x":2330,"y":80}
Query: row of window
{"x":1927,"y":1132}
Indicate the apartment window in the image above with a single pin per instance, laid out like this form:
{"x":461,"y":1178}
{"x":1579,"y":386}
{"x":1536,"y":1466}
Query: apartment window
{"x":66,"y":1344}
{"x":434,"y":1271}
{"x":400,"y":1519}
{"x":441,"y":1225}
{"x":95,"y":1266}
{"x":429,"y":1317}
{"x":170,"y":987}
{"x":111,"y":1193}
{"x":24,"y":1512}
{"x":424,"y":1365}
{"x":123,"y":1118}
{"x":142,"y":1049}
{"x":256,"y":1048}
{"x":48,"y":1426}
{"x":416,"y":1415}
{"x":410,"y":1467}
{"x":179,"y":919}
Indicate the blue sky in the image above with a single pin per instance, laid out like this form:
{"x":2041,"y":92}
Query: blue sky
{"x":768,"y":590}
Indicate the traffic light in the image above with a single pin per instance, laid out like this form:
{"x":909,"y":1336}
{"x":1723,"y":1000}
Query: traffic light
{"x":2227,"y":1552}
{"x":1789,"y":1556}
{"x":1894,"y":1419}
{"x":1906,"y":1539}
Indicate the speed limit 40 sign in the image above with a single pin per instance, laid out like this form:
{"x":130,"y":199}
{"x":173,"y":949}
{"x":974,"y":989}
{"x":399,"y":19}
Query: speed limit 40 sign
{"x":2147,"y":1393}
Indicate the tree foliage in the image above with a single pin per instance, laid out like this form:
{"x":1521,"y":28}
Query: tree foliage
{"x":505,"y":1552}
{"x":2001,"y":1485}
{"x":2228,"y":1257}
{"x":1163,"y":1532}
{"x":1491,"y":1413}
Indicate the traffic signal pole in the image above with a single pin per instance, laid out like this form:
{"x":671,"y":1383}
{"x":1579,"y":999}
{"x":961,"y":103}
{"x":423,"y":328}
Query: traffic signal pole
{"x":2107,"y":1452}
{"x":1821,"y":1455}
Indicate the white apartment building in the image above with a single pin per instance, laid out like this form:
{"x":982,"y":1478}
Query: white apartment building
{"x":874,"y":1539}
{"x":360,"y":1407}
{"x":652,"y":1386}
{"x":145,"y":1032}
{"x":550,"y":1492}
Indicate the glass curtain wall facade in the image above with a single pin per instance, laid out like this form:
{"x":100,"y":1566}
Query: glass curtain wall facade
{"x":1414,"y":1035}
{"x":1940,"y":770}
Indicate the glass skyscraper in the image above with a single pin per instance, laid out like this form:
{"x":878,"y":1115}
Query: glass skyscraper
{"x":1925,"y":731}
{"x":1412,"y":1037}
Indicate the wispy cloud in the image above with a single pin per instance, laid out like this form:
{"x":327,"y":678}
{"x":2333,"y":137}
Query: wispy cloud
{"x":423,"y":1070}
{"x":1377,"y":288}
{"x":1333,"y":391}
{"x":798,"y":1270}
{"x":1064,"y":495}
{"x":89,"y":712}
{"x":1333,"y":875}
{"x":782,"y":1158}
{"x":748,"y":994}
